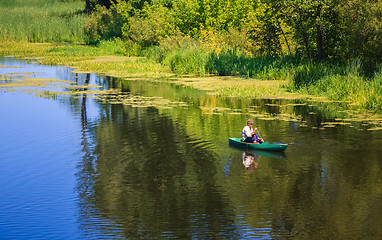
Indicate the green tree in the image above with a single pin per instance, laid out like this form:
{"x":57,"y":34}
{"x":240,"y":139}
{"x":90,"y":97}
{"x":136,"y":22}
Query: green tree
{"x":362,"y":20}
{"x":88,"y":6}
{"x":150,"y":25}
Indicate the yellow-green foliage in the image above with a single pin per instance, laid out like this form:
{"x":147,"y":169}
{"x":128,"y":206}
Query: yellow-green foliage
{"x":151,"y":26}
{"x":42,"y":20}
{"x":102,"y":23}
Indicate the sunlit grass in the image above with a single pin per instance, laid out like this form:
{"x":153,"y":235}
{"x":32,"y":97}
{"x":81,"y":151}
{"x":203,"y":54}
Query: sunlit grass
{"x":86,"y":58}
{"x":341,"y":84}
{"x":42,"y":20}
{"x":255,"y":91}
{"x":122,"y":69}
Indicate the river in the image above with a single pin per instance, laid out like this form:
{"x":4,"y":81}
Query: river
{"x":85,"y":156}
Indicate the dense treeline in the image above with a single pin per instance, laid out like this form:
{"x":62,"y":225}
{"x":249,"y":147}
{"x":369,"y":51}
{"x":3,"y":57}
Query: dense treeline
{"x":319,"y":29}
{"x":324,"y":47}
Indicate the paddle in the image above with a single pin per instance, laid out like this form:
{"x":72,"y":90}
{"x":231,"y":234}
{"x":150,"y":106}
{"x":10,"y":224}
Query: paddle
{"x":258,"y":134}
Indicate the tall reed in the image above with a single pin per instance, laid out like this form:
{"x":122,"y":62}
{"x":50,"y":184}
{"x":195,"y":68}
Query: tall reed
{"x":42,"y":20}
{"x":188,"y":60}
{"x":340,"y":82}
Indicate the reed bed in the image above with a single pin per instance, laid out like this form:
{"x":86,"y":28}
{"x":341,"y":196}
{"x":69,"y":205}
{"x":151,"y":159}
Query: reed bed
{"x":335,"y":81}
{"x":42,"y":20}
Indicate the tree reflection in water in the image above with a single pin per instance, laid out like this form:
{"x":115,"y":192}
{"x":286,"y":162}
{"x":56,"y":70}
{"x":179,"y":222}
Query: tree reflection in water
{"x":152,"y":182}
{"x":160,"y":175}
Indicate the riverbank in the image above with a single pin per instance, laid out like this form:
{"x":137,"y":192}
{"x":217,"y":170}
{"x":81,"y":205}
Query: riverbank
{"x":226,"y":62}
{"x":107,"y":61}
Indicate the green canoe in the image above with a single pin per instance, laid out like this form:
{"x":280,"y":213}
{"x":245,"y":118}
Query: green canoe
{"x":279,"y":147}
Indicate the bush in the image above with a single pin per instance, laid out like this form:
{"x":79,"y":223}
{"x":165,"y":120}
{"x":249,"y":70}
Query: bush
{"x":189,"y":60}
{"x":115,"y":46}
{"x":153,"y":53}
{"x":132,"y":49}
{"x":374,"y":102}
{"x":176,"y":41}
{"x":307,"y":74}
{"x":103,"y":24}
{"x":150,"y":26}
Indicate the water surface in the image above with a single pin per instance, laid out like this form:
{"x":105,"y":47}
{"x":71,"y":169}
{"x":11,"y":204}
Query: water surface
{"x":150,"y":159}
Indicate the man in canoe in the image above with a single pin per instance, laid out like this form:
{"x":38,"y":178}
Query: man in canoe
{"x":249,"y":134}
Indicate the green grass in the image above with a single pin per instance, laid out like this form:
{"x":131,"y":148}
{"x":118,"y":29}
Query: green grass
{"x":335,"y":81}
{"x":233,"y":62}
{"x":194,"y":59}
{"x":115,"y":47}
{"x":42,"y":20}
{"x":77,"y":55}
{"x":340,"y":83}
{"x":188,"y":60}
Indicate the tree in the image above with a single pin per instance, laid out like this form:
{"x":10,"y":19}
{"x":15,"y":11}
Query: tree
{"x":88,"y":8}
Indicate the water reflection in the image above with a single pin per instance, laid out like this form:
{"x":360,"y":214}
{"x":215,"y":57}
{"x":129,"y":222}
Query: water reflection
{"x":167,"y":172}
{"x":249,"y":161}
{"x":152,"y":182}
{"x":252,"y":158}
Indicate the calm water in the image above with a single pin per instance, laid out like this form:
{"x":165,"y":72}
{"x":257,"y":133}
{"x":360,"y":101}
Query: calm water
{"x":151,"y":160}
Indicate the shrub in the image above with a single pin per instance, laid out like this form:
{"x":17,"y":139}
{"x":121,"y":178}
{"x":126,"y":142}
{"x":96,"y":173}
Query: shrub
{"x":374,"y":102}
{"x":176,"y":41}
{"x":150,"y":26}
{"x":103,"y":24}
{"x":153,"y":53}
{"x":132,"y":49}
{"x":115,"y":46}
{"x":189,"y":60}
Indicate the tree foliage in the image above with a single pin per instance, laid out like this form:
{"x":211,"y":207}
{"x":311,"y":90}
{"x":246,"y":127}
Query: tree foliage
{"x":317,"y":29}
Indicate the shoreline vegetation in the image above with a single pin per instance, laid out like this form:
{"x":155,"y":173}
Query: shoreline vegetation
{"x":252,"y":51}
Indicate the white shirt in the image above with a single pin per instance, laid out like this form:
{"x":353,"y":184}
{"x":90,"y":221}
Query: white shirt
{"x":247,"y":160}
{"x":247,"y":132}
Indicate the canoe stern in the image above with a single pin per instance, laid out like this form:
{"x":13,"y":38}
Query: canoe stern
{"x":279,"y":147}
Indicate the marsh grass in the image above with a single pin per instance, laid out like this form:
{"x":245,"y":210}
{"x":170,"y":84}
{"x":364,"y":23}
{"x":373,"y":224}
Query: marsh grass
{"x":100,"y":59}
{"x":332,"y":81}
{"x":335,"y":81}
{"x":233,"y":62}
{"x":340,"y":83}
{"x":188,"y":60}
{"x":115,"y":47}
{"x":54,"y":53}
{"x":259,"y":91}
{"x":42,"y":20}
{"x":123,"y":69}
